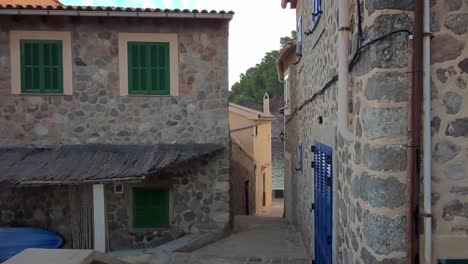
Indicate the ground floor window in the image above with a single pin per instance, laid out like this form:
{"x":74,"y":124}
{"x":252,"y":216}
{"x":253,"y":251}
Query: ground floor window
{"x":150,"y":208}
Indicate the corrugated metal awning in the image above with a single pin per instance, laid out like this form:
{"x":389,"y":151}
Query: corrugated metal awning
{"x":74,"y":164}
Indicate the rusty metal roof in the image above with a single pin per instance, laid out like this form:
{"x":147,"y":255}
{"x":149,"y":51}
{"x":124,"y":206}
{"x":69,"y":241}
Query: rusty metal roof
{"x":74,"y":164}
{"x":10,"y":8}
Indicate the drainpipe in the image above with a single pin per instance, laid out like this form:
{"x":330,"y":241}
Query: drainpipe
{"x":414,"y":134}
{"x":343,"y":69}
{"x":427,"y":135}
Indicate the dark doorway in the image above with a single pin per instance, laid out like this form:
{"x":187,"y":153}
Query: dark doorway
{"x":264,"y":189}
{"x":246,"y":188}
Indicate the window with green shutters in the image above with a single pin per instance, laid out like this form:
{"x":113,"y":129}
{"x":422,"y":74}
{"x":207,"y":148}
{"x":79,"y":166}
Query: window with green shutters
{"x":41,"y":66}
{"x":150,"y":208}
{"x":148,"y":68}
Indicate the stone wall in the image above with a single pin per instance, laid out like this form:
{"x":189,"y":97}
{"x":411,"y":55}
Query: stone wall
{"x":199,"y":193}
{"x":373,"y":196}
{"x":41,"y":207}
{"x":370,"y":186}
{"x":96,"y":113}
{"x":450,"y":127}
{"x":315,"y":121}
{"x":242,"y":170}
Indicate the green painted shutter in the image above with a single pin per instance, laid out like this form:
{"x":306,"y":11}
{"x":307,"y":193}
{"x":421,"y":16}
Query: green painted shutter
{"x":148,"y":68}
{"x":41,"y":66}
{"x":150,"y":208}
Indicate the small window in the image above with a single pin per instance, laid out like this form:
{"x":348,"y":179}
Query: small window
{"x":41,"y":66}
{"x":150,"y":208}
{"x":316,"y":11}
{"x":299,"y":37}
{"x":287,"y":95}
{"x":148,"y":68}
{"x":300,"y":158}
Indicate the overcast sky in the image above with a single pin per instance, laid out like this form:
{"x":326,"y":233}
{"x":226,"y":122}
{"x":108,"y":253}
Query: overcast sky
{"x":256,"y":28}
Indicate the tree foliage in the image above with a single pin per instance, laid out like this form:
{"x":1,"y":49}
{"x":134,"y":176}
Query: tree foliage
{"x":258,"y":80}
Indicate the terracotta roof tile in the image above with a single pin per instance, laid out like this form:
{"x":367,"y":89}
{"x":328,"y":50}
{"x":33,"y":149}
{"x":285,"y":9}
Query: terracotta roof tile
{"x":31,"y":2}
{"x":54,"y":5}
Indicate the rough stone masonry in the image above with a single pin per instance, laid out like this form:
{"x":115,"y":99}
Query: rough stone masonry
{"x":370,"y":187}
{"x":96,"y":113}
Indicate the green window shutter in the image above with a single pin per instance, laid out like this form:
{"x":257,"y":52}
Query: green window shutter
{"x":150,"y":208}
{"x":148,"y":68}
{"x":41,"y":66}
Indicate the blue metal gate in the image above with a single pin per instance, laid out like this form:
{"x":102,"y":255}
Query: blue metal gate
{"x":323,"y":203}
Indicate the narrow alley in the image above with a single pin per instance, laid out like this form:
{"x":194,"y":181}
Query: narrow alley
{"x":263,"y":238}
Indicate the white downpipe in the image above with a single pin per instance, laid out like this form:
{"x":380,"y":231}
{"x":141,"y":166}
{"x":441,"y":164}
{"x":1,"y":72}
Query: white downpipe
{"x":343,"y":73}
{"x":427,"y":136}
{"x":99,"y":218}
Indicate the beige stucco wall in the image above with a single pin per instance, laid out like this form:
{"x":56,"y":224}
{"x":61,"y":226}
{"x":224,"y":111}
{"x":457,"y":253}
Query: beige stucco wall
{"x":244,"y":136}
{"x":262,"y":154}
{"x":256,"y":139}
{"x":242,"y":171}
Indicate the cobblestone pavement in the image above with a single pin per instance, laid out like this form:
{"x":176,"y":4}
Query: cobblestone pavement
{"x":256,"y":239}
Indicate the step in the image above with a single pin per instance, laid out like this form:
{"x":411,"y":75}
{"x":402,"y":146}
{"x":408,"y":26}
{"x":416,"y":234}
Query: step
{"x":182,"y":258}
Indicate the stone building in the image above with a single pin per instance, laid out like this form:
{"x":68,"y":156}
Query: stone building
{"x":371,"y":205}
{"x":114,"y":128}
{"x":251,"y":175}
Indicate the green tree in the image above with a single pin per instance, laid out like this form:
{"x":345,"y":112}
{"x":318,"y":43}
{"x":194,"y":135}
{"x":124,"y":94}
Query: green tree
{"x":257,"y":80}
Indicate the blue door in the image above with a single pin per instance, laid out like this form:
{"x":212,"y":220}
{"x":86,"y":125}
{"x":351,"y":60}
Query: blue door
{"x":323,"y":206}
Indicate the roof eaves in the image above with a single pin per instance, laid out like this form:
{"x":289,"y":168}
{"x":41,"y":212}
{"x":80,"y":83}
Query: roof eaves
{"x":250,"y":113}
{"x":290,"y":45}
{"x":8,"y":9}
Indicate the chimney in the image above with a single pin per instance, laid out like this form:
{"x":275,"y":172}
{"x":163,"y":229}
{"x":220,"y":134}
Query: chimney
{"x":266,"y":104}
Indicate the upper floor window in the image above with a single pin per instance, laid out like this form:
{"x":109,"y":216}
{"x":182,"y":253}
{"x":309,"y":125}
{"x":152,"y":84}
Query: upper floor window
{"x":41,"y":62}
{"x":148,"y":68}
{"x":299,"y":37}
{"x":148,"y":64}
{"x":41,"y":66}
{"x":287,"y":95}
{"x":316,"y":11}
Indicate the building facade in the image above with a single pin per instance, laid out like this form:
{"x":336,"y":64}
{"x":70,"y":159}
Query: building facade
{"x":250,"y":132}
{"x":133,"y":103}
{"x":370,"y":183}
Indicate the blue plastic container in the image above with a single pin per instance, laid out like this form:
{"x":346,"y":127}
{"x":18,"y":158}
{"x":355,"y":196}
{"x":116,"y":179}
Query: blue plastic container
{"x":14,"y":240}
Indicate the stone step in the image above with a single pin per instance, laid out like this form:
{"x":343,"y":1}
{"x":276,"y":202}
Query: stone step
{"x":186,"y":258}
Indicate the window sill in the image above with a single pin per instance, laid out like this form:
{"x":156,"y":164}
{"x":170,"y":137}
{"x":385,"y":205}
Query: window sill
{"x":155,"y":229}
{"x":42,"y":94}
{"x":148,"y":95}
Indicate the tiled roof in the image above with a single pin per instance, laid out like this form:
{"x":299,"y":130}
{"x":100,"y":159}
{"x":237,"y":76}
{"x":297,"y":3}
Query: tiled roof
{"x":31,"y":2}
{"x":46,"y":7}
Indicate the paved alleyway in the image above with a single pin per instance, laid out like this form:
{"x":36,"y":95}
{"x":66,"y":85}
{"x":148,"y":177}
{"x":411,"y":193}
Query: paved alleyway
{"x":256,"y":239}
